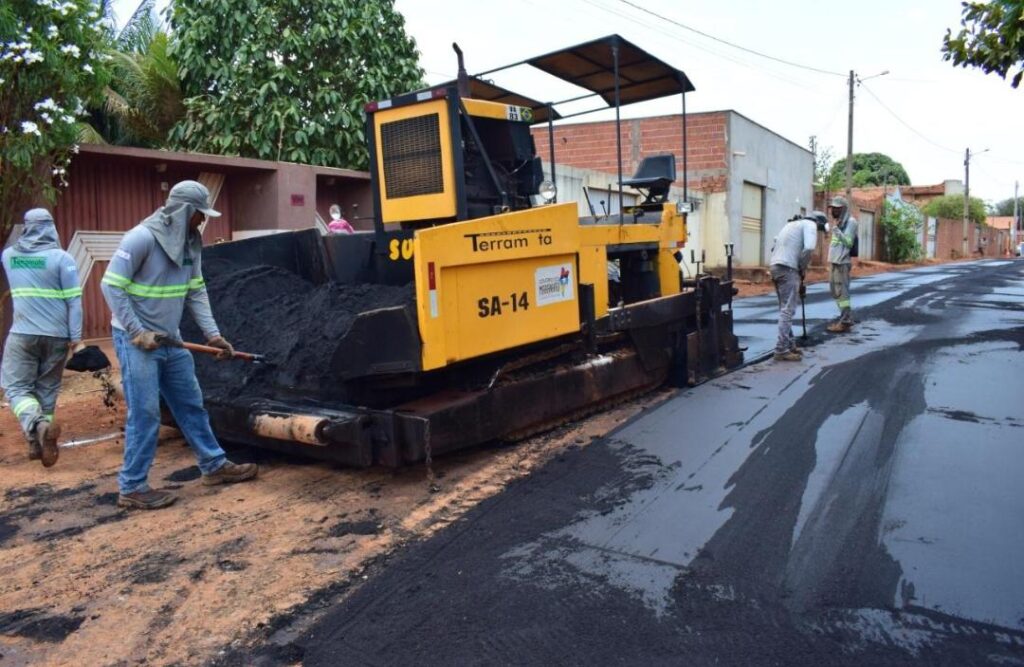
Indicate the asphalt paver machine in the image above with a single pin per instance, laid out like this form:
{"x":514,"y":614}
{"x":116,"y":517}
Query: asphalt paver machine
{"x":525,"y":315}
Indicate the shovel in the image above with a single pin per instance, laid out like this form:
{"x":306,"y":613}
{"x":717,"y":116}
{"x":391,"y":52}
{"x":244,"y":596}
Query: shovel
{"x":803,"y":309}
{"x":209,"y":349}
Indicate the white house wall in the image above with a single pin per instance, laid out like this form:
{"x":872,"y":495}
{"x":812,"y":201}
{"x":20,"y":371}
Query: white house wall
{"x":785,"y":171}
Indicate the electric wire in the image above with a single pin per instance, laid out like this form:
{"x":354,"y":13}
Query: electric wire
{"x":728,"y":43}
{"x":905,"y":123}
{"x":704,"y":49}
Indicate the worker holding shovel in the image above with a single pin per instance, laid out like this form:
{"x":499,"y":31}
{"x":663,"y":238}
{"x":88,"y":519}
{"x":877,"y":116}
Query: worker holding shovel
{"x":153,"y":275}
{"x":791,"y":254}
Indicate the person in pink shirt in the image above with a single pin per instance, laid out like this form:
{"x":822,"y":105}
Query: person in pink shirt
{"x":338,"y":224}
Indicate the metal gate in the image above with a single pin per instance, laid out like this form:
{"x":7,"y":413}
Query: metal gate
{"x":752,"y":226}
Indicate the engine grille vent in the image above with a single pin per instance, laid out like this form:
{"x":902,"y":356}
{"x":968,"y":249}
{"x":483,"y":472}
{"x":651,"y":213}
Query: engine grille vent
{"x":412,"y":156}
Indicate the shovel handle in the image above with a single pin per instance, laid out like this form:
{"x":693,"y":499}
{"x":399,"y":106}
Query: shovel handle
{"x":209,"y":349}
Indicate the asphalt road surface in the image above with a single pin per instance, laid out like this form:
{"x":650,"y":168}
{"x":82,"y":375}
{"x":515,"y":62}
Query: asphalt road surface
{"x":865,"y":506}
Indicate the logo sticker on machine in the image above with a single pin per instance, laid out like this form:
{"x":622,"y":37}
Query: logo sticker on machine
{"x":554,"y":284}
{"x":520,"y":114}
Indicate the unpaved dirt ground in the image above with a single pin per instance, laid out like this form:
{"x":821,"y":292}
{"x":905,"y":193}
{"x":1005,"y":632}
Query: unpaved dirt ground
{"x":819,"y":274}
{"x":85,"y":583}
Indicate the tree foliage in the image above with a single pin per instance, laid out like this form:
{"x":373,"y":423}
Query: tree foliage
{"x":1005,"y":207}
{"x":991,"y":37}
{"x":825,"y":178}
{"x":901,"y":224}
{"x":870,"y":169}
{"x":951,"y":207}
{"x":287,"y":80}
{"x":51,"y":66}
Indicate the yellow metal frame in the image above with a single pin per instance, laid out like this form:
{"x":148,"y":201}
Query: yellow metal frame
{"x":492,"y":283}
{"x":498,"y":111}
{"x":421,"y":207}
{"x":496,"y":283}
{"x":669,"y":235}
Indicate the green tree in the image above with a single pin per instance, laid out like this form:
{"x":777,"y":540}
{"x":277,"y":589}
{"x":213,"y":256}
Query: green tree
{"x":870,"y":169}
{"x":144,"y":100}
{"x":1005,"y":207}
{"x":51,"y":66}
{"x":951,"y":207}
{"x":901,"y":224}
{"x":991,"y":37}
{"x":287,"y":80}
{"x":825,"y":179}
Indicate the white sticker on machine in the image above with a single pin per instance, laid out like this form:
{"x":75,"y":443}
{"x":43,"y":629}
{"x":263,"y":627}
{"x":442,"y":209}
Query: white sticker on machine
{"x":554,"y":284}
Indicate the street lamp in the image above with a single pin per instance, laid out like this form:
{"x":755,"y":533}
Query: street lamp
{"x":964,"y":250}
{"x":849,"y":131}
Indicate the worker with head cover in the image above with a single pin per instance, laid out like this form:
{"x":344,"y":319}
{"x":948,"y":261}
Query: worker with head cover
{"x":154,"y":274}
{"x":791,"y":254}
{"x":338,"y":224}
{"x":47,"y":302}
{"x":841,"y":249}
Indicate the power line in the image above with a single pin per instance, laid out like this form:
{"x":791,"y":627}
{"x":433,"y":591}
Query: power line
{"x":702,"y":48}
{"x":728,"y":43}
{"x":905,"y":123}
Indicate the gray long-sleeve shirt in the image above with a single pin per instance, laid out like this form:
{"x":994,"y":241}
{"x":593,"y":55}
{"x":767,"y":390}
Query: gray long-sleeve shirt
{"x":843,"y":236}
{"x":795,"y":244}
{"x":146,"y":291}
{"x":45,"y":291}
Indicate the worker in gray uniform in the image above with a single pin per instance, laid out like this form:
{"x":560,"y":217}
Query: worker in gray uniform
{"x":47,"y":302}
{"x":153,"y":275}
{"x":791,"y":254}
{"x":840,"y":250}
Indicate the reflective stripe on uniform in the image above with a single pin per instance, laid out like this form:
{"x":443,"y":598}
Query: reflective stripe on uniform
{"x":43,"y":293}
{"x":152,"y":291}
{"x":24,"y":404}
{"x":843,"y":303}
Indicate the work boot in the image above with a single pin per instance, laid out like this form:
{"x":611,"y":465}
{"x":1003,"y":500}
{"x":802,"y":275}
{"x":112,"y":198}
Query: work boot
{"x":789,"y":355}
{"x":229,"y":473}
{"x":46,"y":437}
{"x":146,"y":500}
{"x":839,"y":327}
{"x":35,"y":450}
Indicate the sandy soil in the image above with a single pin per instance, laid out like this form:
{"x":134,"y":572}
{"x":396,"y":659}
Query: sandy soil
{"x":83,"y":582}
{"x":819,"y":274}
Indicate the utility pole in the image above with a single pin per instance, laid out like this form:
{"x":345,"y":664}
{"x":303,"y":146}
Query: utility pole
{"x":967,"y":198}
{"x":849,"y":144}
{"x":1016,"y":219}
{"x":849,"y":133}
{"x":967,"y":194}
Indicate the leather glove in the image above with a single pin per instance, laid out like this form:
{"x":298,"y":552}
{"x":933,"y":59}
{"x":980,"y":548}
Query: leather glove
{"x":147,"y":340}
{"x":226,"y":350}
{"x":803,"y":289}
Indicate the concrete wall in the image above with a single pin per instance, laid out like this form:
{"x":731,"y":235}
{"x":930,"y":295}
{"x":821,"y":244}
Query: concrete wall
{"x":785,"y":171}
{"x":571,"y":182}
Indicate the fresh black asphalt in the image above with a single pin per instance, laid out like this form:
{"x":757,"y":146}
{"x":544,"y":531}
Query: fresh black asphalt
{"x":863,"y":507}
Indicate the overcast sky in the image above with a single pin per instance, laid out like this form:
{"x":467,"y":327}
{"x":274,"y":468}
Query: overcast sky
{"x":924,"y":113}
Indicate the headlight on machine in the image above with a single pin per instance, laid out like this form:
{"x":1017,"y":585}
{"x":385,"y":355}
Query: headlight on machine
{"x":547,"y":191}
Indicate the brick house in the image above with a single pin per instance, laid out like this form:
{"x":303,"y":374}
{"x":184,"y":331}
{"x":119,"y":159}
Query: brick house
{"x":746,"y":180}
{"x":866,"y":205}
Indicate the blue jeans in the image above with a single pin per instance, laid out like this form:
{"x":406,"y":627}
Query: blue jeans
{"x":168,"y":372}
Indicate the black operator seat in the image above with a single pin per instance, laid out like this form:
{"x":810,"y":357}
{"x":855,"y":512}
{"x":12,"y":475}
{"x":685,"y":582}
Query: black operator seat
{"x":654,"y":177}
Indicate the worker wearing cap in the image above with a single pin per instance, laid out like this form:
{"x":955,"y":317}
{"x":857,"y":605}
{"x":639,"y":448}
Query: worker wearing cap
{"x":47,"y":301}
{"x":791,"y":254}
{"x":153,"y":275}
{"x":844,"y":235}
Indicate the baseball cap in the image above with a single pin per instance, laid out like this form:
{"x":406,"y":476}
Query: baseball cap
{"x":196,"y":194}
